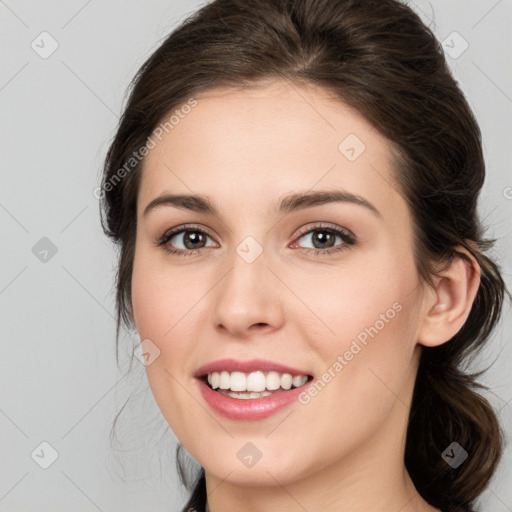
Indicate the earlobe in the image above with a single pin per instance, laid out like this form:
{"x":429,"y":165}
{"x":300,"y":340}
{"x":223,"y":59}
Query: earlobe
{"x":450,"y":300}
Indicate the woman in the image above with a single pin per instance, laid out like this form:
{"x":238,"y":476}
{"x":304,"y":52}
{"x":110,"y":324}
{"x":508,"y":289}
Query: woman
{"x":293,"y":187}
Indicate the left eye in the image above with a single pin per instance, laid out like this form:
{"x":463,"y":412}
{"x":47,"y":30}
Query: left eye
{"x":326,"y":238}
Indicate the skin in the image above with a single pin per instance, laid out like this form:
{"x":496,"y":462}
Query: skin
{"x":246,"y":149}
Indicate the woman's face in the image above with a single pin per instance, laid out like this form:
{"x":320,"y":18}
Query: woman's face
{"x":277,"y":270}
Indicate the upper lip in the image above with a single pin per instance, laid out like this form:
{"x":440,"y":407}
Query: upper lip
{"x":233,"y":365}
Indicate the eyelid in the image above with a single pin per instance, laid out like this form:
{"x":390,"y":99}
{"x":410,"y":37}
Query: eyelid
{"x":180,"y":229}
{"x":312,"y":226}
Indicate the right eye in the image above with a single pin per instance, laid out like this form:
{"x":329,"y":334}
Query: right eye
{"x":184,"y":240}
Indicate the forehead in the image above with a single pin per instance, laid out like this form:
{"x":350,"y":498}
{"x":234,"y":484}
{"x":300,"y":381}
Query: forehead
{"x":276,"y":136}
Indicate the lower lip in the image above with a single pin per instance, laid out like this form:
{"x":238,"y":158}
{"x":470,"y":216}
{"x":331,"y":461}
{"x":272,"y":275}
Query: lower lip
{"x":248,"y":409}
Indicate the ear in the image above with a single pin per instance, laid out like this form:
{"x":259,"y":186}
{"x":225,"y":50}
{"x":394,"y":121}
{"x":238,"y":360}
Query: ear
{"x":449,"y":302}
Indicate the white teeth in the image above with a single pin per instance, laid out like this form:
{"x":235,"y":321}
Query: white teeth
{"x":273,"y":381}
{"x":238,"y":381}
{"x":297,"y":381}
{"x":244,"y":396}
{"x":286,"y":381}
{"x":255,"y":382}
{"x":224,"y":381}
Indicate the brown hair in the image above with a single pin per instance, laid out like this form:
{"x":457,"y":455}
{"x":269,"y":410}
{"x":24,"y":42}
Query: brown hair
{"x":379,"y":58}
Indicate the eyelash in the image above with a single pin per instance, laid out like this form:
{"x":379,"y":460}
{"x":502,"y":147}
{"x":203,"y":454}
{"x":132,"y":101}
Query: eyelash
{"x":346,"y":236}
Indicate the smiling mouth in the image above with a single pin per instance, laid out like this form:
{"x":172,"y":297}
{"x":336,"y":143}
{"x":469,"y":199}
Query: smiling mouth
{"x":253,"y":385}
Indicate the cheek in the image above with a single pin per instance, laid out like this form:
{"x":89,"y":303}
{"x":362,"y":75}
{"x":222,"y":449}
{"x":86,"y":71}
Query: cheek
{"x":363,"y":332}
{"x":160,"y":302}
{"x":358,"y":298}
{"x":162,"y":308}
{"x":163,"y":297}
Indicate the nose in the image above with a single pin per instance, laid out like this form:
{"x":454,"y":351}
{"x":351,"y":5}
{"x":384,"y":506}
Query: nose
{"x":247,"y":300}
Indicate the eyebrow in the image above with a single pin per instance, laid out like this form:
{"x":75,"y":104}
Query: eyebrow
{"x":292,"y":202}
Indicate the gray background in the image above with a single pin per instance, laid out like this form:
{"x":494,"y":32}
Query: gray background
{"x":59,"y":380}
